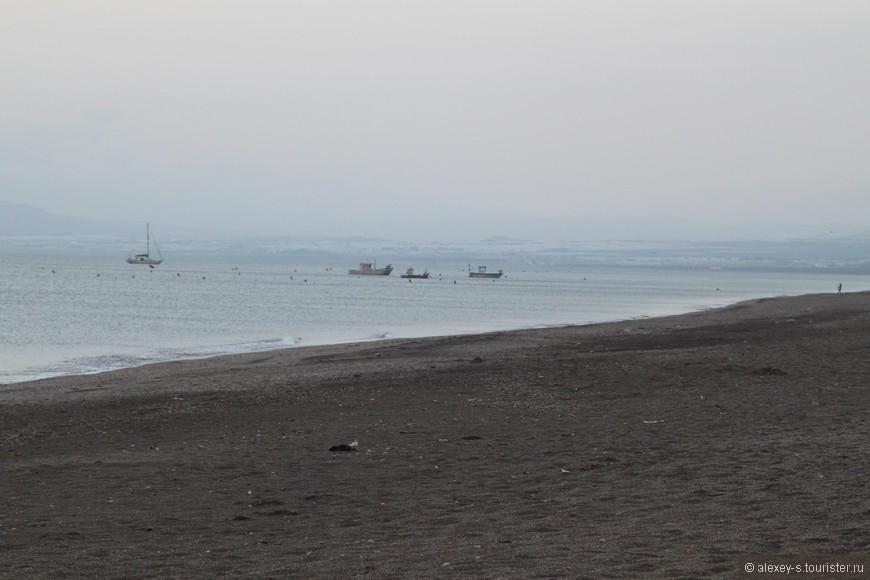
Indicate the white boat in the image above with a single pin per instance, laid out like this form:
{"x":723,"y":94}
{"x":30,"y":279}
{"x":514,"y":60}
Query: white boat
{"x":482,"y":273}
{"x":146,"y":258}
{"x":409,"y":273}
{"x":370,"y":269}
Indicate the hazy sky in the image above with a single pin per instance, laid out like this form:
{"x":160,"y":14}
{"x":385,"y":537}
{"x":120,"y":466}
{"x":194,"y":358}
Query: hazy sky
{"x":251,"y":110}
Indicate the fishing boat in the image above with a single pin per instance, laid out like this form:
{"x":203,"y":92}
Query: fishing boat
{"x":409,"y":273}
{"x":482,"y":273}
{"x":371,"y":269}
{"x":146,"y":258}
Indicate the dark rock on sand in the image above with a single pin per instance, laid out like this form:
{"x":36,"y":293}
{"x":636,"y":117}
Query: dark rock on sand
{"x":342,"y":447}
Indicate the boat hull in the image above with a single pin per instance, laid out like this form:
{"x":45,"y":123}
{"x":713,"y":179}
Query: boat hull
{"x":145,"y":261}
{"x":482,"y":273}
{"x":366,"y":269}
{"x":411,"y":275}
{"x":378,"y":272}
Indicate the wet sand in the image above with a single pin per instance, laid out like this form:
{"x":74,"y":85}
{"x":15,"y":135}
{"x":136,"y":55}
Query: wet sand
{"x":652,"y":448}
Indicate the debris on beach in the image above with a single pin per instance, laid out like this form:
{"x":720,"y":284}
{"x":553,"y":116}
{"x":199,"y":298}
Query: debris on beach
{"x":769,"y":371}
{"x":345,"y":447}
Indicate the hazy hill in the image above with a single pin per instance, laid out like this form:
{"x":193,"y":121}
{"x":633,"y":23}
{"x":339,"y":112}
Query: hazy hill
{"x":18,"y":219}
{"x":392,"y":218}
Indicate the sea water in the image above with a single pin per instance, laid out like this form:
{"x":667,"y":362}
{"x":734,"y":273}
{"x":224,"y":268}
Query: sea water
{"x":63,"y":315}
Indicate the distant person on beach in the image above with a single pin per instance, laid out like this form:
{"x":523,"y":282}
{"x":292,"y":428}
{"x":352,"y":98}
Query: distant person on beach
{"x":839,"y":287}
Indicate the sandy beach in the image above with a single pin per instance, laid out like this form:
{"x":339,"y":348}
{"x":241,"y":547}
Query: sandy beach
{"x":654,"y":448}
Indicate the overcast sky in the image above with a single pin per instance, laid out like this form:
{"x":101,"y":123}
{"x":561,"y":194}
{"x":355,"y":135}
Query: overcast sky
{"x":250,"y":110}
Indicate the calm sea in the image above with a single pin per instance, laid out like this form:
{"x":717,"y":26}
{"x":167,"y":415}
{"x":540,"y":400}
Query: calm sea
{"x":64,"y":315}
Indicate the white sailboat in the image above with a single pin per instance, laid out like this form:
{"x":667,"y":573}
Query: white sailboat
{"x":146,"y":258}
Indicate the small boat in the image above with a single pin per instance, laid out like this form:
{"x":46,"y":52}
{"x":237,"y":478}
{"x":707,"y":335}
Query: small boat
{"x":370,"y":269}
{"x":409,"y":273}
{"x":146,"y":258}
{"x":482,"y":273}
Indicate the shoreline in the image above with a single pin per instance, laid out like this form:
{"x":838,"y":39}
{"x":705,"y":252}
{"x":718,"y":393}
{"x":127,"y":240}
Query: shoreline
{"x":657,"y":447}
{"x":339,"y":343}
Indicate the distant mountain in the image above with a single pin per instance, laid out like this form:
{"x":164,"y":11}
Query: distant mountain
{"x":377,"y":216}
{"x":18,"y":219}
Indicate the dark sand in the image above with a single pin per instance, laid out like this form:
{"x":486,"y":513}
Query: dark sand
{"x":655,"y":448}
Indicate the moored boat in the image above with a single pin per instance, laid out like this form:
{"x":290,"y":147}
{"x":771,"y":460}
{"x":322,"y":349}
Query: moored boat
{"x":146,"y":258}
{"x":482,"y":273}
{"x":409,"y":273}
{"x":371,"y":269}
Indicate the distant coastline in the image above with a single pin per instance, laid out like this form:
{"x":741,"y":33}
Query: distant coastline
{"x":808,"y":255}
